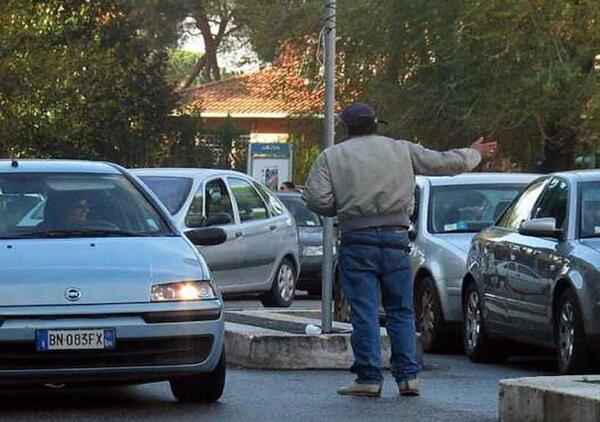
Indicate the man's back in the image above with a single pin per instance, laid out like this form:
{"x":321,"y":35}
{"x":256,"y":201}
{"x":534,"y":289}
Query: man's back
{"x":369,"y":180}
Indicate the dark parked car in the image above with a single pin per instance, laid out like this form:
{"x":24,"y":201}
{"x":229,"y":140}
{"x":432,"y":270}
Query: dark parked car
{"x":534,"y":276}
{"x":310,"y":236}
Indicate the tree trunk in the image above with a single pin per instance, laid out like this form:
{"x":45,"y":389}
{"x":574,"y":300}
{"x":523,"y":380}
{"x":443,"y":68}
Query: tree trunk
{"x":208,"y":64}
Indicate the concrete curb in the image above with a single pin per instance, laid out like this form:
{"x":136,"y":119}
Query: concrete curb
{"x":260,"y":348}
{"x":550,"y":399}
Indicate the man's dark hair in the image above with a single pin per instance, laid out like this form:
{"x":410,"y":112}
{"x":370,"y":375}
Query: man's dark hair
{"x":288,"y":186}
{"x":361,"y":130}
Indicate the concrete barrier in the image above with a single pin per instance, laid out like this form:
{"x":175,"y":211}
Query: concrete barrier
{"x":550,"y":399}
{"x":250,"y":346}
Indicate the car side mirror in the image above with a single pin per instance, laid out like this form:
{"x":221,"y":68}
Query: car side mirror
{"x":208,"y":236}
{"x":540,"y":227}
{"x":218,"y":219}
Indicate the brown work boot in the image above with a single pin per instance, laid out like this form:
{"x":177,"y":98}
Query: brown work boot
{"x":409,"y":387}
{"x":361,"y":390}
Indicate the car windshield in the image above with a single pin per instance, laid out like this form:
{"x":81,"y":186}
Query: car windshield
{"x":590,"y":209}
{"x":468,"y":208}
{"x":303,"y":216}
{"x":172,"y":191}
{"x":41,"y":205}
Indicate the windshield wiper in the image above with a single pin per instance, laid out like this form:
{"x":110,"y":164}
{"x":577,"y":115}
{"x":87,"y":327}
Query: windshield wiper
{"x":75,"y":233}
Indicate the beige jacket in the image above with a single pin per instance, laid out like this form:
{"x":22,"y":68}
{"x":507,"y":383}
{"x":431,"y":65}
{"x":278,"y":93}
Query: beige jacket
{"x":368,"y":181}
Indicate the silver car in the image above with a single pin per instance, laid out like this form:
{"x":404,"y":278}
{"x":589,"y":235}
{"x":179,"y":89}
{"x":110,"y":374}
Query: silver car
{"x":100,"y":286}
{"x":449,"y":211}
{"x":533,"y":277}
{"x":260,"y":254}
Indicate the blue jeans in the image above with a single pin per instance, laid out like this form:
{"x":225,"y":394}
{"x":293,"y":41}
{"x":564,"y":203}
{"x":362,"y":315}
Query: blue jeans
{"x":370,"y":260}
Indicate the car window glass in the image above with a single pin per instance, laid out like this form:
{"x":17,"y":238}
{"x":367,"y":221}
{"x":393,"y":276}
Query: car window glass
{"x":521,"y":209}
{"x":250,"y":204}
{"x":553,"y":203}
{"x":303,"y":216}
{"x":468,"y":208}
{"x":195,"y":214}
{"x":172,"y":191}
{"x":275,"y":207}
{"x":219,"y":210}
{"x":73,"y":204}
{"x":589,"y":209}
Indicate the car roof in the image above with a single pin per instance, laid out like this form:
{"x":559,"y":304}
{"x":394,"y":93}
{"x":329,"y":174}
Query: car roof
{"x":592,"y":175}
{"x":57,"y":166}
{"x":185,"y":172}
{"x":480,"y":179}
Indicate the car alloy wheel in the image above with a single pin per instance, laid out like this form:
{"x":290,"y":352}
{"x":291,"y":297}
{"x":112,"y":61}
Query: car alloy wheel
{"x":473,"y":320}
{"x":566,"y":332}
{"x":283,"y":288}
{"x":286,"y":282}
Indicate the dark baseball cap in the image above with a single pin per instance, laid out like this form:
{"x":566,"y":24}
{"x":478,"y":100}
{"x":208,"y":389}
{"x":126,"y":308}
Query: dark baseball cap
{"x":359,"y":114}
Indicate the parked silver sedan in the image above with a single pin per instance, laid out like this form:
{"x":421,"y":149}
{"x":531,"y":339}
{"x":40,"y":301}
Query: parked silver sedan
{"x":534,"y":276}
{"x":260,"y":254}
{"x":99,"y":286}
{"x":449,"y":211}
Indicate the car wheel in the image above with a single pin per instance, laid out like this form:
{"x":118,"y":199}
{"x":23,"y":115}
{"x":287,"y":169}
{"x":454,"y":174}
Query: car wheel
{"x":341,"y":307}
{"x":479,"y":347}
{"x":201,"y":388}
{"x":429,"y":318}
{"x":283,"y":288}
{"x":571,"y":349}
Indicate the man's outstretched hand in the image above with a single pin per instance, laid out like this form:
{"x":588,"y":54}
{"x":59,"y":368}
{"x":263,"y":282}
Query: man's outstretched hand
{"x":487,"y":149}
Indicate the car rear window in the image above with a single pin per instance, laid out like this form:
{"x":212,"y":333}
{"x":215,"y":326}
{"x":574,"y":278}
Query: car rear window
{"x":172,"y":191}
{"x":468,"y":208}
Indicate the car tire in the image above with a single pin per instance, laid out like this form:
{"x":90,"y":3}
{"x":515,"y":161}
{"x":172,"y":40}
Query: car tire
{"x":571,"y":349}
{"x":479,"y":347}
{"x":341,"y":307}
{"x":283,"y":288}
{"x":429,"y":317}
{"x":201,"y":388}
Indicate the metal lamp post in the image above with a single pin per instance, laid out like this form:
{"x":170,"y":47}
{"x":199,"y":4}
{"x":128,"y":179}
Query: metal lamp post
{"x":329,"y":132}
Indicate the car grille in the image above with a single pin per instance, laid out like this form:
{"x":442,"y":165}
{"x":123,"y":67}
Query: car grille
{"x":138,"y":352}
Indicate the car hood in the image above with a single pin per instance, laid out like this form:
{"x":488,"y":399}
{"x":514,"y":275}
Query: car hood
{"x":460,"y":241}
{"x":105,"y":270}
{"x":591,"y":243}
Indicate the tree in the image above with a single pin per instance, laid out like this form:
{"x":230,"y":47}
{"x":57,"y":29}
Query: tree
{"x":524,"y":72}
{"x":213,"y":20}
{"x":81,"y":80}
{"x":181,"y":64}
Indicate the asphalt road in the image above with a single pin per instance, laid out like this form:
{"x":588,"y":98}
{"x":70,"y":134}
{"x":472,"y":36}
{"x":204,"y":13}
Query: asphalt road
{"x":453,"y":390}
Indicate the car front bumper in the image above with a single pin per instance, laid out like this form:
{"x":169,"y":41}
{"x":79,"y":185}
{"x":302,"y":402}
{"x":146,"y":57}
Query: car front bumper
{"x":153,"y":342}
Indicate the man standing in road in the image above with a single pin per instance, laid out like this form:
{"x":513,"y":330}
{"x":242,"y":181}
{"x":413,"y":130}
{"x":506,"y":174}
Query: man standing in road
{"x":368,"y":183}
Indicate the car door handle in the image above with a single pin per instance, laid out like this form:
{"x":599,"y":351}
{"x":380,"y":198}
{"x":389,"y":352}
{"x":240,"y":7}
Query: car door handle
{"x":239,"y":234}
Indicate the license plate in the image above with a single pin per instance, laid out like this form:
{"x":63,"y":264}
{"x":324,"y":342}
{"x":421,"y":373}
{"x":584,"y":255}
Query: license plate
{"x":84,"y":339}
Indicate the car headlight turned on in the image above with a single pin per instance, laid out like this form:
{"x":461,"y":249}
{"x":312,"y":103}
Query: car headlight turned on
{"x":182,"y":291}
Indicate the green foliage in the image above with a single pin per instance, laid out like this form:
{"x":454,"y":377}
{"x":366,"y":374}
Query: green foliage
{"x":229,"y":150}
{"x":180,"y":65}
{"x":524,"y":72}
{"x":81,"y":80}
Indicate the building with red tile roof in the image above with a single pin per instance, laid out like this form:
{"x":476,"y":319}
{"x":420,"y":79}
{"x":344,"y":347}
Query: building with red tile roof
{"x":264,"y":103}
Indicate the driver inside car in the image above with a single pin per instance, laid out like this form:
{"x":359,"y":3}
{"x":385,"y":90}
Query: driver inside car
{"x":78,"y":213}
